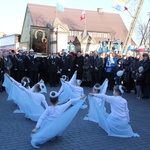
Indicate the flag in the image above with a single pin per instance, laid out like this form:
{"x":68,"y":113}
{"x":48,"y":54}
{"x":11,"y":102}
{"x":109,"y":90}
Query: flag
{"x":129,"y":48}
{"x":82,"y":15}
{"x":141,"y":49}
{"x":120,"y":6}
{"x":124,"y":1}
{"x":60,"y":5}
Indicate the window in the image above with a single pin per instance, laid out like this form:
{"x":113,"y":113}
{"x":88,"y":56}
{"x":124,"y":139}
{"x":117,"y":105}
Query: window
{"x":99,"y":34}
{"x":105,"y":35}
{"x":90,"y":33}
{"x":80,"y":33}
{"x":71,"y":33}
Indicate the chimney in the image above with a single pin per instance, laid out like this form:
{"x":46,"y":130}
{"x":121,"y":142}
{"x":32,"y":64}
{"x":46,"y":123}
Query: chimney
{"x":99,"y":10}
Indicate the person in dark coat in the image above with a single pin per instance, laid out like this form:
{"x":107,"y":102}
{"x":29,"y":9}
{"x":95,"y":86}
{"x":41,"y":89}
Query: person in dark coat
{"x":98,"y":69}
{"x":119,"y":67}
{"x":92,"y":58}
{"x":86,"y":78}
{"x":66,"y":64}
{"x":53,"y":63}
{"x":7,"y":63}
{"x":134,"y":68}
{"x":78,"y":64}
{"x":11,"y":56}
{"x":1,"y":70}
{"x":146,"y":75}
{"x":32,"y":67}
{"x":138,"y":82}
{"x":19,"y":65}
{"x":127,"y":61}
{"x":43,"y":66}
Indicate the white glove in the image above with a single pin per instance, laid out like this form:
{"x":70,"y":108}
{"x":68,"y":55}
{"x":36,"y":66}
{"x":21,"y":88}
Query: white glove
{"x":35,"y":56}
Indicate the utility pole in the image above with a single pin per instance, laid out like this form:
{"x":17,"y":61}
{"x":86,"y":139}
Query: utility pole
{"x":132,"y":26}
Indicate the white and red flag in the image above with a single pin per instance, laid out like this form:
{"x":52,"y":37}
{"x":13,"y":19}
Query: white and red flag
{"x":82,"y":15}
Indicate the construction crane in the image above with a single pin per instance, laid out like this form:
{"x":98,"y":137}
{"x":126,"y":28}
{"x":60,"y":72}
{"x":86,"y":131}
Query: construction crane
{"x":132,"y":26}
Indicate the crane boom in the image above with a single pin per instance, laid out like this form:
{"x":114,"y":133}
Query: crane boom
{"x":132,"y":26}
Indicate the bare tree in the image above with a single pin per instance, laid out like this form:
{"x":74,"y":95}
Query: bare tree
{"x":142,"y":33}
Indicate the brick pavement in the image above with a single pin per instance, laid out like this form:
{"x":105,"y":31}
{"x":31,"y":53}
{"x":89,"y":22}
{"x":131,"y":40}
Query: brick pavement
{"x":15,"y":129}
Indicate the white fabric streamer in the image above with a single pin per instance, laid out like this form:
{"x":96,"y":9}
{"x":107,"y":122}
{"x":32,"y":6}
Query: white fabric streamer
{"x":121,"y":90}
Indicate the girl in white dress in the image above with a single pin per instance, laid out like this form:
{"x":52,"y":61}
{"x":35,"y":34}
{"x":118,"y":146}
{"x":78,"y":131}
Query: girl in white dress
{"x":117,"y":122}
{"x":95,"y":103}
{"x":54,"y":111}
{"x":36,"y":96}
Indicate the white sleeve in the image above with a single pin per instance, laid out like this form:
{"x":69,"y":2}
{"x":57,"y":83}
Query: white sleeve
{"x":44,"y":101}
{"x":66,"y":105}
{"x":43,"y":116}
{"x":127,"y":112}
{"x":109,"y":99}
{"x":103,"y":87}
{"x":28,"y":91}
{"x":60,"y":90}
{"x":71,"y":85}
{"x":73,"y":79}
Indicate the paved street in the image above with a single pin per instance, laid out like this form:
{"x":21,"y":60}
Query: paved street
{"x":15,"y":129}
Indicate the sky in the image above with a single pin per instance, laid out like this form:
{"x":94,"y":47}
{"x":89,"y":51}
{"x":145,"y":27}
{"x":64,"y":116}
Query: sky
{"x":12,"y":12}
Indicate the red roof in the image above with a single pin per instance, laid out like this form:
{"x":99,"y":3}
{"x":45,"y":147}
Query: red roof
{"x":95,"y":21}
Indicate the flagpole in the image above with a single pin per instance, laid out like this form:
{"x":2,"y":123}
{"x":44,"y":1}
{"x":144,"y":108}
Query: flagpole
{"x":56,"y":14}
{"x":85,"y":23}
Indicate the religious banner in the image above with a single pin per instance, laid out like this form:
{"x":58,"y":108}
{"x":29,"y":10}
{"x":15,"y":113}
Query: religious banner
{"x":39,"y":39}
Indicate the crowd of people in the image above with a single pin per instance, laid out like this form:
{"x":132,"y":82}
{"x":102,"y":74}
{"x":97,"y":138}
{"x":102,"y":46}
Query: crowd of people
{"x":91,"y":68}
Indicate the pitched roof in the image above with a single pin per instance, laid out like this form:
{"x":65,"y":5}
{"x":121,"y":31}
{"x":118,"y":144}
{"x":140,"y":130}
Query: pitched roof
{"x":95,"y":21}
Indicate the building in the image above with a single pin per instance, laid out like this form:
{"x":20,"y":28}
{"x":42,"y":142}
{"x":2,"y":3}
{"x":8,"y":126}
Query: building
{"x":2,"y":34}
{"x":47,"y":30}
{"x":10,"y":42}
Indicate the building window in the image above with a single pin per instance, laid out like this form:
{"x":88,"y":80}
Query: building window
{"x":90,"y":33}
{"x":71,"y":33}
{"x":105,"y":35}
{"x":80,"y":33}
{"x":99,"y":34}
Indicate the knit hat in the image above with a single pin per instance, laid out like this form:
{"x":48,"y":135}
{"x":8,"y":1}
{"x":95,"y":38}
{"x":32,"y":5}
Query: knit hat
{"x":120,"y":73}
{"x":141,"y":69}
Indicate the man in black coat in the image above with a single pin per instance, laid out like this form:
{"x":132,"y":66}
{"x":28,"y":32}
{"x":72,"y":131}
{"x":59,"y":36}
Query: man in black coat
{"x":19,"y":65}
{"x":78,"y":64}
{"x":32,"y":67}
{"x":53,"y":64}
{"x":98,"y":69}
{"x":66,"y":64}
{"x":146,"y":75}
